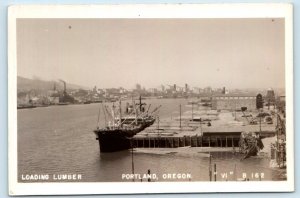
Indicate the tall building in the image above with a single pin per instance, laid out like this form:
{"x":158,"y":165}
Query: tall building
{"x":163,"y":88}
{"x":270,"y":96}
{"x":174,"y":88}
{"x":186,"y":90}
{"x":259,"y":101}
{"x":224,"y":90}
{"x":207,"y":90}
{"x":138,"y":87}
{"x":95,"y":89}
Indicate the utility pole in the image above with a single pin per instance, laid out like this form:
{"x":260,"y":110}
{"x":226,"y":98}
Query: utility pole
{"x":132,"y":161}
{"x":192,"y":111}
{"x":215,"y":171}
{"x":120,"y":108}
{"x":200,"y":125}
{"x":260,"y":122}
{"x":158,"y":131}
{"x":209,"y":168}
{"x":180,"y":116}
{"x":277,"y":131}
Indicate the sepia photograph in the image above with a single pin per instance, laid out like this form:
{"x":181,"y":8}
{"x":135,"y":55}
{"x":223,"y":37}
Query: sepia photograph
{"x":144,"y":98}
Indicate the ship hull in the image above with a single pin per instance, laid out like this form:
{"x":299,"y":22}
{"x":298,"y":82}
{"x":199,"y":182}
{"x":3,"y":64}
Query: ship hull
{"x":112,"y":140}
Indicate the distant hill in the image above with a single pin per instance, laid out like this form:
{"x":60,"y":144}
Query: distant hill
{"x":38,"y":84}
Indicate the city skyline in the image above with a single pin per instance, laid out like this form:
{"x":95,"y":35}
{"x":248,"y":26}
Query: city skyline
{"x":232,"y":53}
{"x":59,"y":85}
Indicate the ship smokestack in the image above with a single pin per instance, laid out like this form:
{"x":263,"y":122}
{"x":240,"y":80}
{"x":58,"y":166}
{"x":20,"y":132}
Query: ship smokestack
{"x":65,"y":84}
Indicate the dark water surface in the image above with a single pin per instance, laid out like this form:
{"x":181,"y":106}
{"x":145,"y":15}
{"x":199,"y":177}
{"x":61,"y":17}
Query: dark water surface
{"x":60,"y":140}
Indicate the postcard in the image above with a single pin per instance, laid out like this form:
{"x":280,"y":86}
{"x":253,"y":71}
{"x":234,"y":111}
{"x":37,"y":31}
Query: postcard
{"x":160,"y":98}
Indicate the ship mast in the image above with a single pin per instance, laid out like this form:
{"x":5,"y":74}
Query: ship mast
{"x":120,"y":108}
{"x":104,"y":115}
{"x":135,"y":111}
{"x":98,"y":119}
{"x":113,"y":114}
{"x":140,"y":103}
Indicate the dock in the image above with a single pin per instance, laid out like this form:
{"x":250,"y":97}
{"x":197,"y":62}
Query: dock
{"x":223,"y":131}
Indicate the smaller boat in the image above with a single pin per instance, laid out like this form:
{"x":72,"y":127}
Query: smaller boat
{"x":206,"y":104}
{"x":63,"y":103}
{"x":97,"y":101}
{"x":193,"y":102}
{"x":26,"y":106}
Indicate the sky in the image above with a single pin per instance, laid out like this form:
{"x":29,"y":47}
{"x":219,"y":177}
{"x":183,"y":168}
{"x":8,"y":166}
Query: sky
{"x":235,"y":53}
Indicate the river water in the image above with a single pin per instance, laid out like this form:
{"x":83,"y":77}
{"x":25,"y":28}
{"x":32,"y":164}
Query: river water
{"x":59,"y":140}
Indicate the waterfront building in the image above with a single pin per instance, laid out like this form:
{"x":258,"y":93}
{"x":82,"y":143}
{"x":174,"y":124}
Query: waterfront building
{"x":281,"y":104}
{"x":186,"y":88}
{"x":233,"y":101}
{"x":53,"y":99}
{"x":281,"y":98}
{"x":205,"y":97}
{"x":23,"y":98}
{"x":207,"y":90}
{"x":270,"y":97}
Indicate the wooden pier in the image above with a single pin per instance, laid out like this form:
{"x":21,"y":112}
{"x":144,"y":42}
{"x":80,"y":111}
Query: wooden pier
{"x":221,"y":132}
{"x":152,"y":139}
{"x":192,"y":141}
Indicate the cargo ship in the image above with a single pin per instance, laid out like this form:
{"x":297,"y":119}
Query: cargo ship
{"x":118,"y":133}
{"x":119,"y":137}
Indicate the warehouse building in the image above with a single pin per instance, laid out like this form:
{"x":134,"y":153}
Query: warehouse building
{"x":233,"y":102}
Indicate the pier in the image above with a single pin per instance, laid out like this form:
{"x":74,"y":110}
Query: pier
{"x":224,"y":131}
{"x":192,"y":141}
{"x":206,"y":140}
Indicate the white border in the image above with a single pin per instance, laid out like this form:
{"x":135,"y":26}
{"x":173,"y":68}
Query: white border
{"x":147,"y":11}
